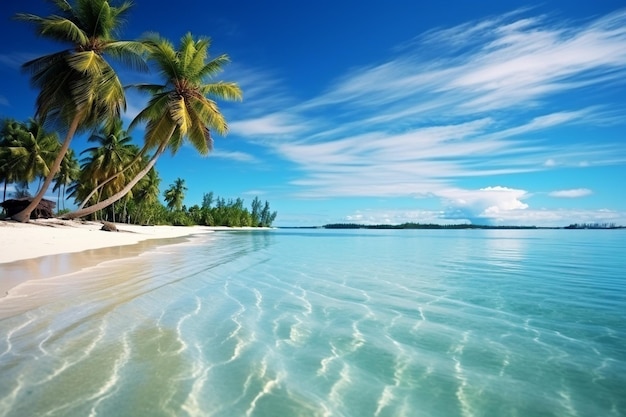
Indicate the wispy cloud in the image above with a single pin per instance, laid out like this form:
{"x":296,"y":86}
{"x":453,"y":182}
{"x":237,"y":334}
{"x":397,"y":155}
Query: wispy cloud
{"x":233,"y":155}
{"x":275,"y":125}
{"x":478,"y":99}
{"x":573,"y":193}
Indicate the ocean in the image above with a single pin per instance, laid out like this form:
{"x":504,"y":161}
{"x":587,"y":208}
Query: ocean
{"x":280,"y":323}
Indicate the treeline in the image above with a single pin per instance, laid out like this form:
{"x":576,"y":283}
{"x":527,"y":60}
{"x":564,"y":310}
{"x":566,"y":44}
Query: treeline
{"x":212,"y":212}
{"x":593,"y":226}
{"x":420,"y":226}
{"x":230,"y":213}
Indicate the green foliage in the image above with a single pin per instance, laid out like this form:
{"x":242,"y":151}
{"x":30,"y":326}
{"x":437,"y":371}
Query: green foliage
{"x":175,"y":195}
{"x":27,"y":152}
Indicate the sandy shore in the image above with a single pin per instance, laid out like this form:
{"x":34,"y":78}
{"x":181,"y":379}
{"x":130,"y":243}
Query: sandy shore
{"x":19,"y":241}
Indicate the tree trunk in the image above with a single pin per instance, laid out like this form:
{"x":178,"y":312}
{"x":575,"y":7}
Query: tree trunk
{"x":24,"y":215}
{"x":105,"y":203}
{"x":64,"y":196}
{"x":111,"y":178}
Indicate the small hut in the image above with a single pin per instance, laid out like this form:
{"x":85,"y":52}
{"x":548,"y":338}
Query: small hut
{"x":44,"y":210}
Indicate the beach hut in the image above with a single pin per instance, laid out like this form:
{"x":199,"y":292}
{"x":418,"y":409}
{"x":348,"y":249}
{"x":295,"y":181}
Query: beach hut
{"x":44,"y":210}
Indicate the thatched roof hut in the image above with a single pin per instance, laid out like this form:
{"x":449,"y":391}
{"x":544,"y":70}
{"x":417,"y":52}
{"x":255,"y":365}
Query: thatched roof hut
{"x":44,"y":210}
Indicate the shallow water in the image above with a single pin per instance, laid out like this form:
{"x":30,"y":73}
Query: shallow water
{"x":328,"y":323}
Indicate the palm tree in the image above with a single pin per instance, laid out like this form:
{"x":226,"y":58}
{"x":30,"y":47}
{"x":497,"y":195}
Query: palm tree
{"x":181,"y":108}
{"x":28,"y":151}
{"x":9,"y":134}
{"x":146,"y":193}
{"x":78,"y":88}
{"x":113,"y":152}
{"x":175,"y":195}
{"x":69,"y":172}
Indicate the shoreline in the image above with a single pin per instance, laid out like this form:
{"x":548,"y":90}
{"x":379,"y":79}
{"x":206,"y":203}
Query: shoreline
{"x":46,"y":248}
{"x":44,"y":237}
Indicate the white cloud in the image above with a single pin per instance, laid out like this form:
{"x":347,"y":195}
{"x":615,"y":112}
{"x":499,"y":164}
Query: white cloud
{"x":394,"y":216}
{"x":481,"y":99}
{"x":550,"y":162}
{"x":574,"y":193}
{"x":233,"y":155}
{"x":276,"y":124}
{"x":485,"y":205}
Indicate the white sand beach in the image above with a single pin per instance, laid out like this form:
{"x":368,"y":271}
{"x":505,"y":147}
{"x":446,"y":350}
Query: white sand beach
{"x":26,"y":248}
{"x":19,"y":241}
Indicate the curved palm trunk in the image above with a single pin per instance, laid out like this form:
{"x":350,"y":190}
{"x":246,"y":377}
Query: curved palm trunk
{"x":24,"y":215}
{"x":111,"y":178}
{"x":105,"y":203}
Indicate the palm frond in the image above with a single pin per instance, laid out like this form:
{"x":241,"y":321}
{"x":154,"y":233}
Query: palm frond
{"x":213,"y":67}
{"x":179,"y":114}
{"x":130,"y":53}
{"x":56,"y":27}
{"x":223,"y":90}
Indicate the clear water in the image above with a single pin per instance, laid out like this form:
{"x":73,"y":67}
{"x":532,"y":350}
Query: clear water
{"x":447,"y":323}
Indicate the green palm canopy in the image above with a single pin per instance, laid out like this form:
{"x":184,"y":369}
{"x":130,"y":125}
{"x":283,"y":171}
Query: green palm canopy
{"x":183,"y":107}
{"x":78,"y":88}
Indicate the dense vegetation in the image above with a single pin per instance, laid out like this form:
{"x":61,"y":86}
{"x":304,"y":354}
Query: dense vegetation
{"x":26,"y":151}
{"x":594,"y":226}
{"x":79,"y":91}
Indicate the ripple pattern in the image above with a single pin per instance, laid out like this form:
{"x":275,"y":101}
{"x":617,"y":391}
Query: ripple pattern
{"x":320,"y":324}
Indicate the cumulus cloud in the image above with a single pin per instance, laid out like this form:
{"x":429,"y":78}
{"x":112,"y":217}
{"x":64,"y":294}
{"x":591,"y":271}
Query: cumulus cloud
{"x":573,"y":193}
{"x":485,"y":205}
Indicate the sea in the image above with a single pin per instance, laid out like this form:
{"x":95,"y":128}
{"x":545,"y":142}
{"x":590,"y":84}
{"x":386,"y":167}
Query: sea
{"x":315,"y":322}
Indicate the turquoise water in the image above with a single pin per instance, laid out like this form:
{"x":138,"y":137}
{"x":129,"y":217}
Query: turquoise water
{"x":524,"y":323}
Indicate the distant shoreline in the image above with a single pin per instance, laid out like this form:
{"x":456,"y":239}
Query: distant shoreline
{"x":407,"y":226}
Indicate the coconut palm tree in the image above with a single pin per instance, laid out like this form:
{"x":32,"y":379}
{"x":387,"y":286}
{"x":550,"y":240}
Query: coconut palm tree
{"x":175,"y":195}
{"x":9,"y":134}
{"x":28,"y":151}
{"x":146,"y":194}
{"x":78,"y":88}
{"x":113,"y":152}
{"x":69,"y":171}
{"x":182,"y":108}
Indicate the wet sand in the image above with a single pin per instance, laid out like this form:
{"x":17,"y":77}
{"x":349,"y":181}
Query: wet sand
{"x":47,"y":248}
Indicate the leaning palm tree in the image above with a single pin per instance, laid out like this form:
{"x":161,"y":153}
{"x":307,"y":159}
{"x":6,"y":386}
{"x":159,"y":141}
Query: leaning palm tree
{"x":181,"y":108}
{"x":175,"y":194}
{"x":113,"y":151}
{"x":78,"y":88}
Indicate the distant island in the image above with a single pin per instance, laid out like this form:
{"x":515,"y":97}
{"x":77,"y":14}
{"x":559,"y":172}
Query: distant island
{"x":463,"y":226}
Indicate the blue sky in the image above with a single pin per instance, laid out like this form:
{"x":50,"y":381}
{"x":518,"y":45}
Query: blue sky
{"x":357,"y":111}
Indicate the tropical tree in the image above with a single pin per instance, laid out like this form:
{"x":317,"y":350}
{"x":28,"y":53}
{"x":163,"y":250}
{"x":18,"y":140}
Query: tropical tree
{"x":175,"y":195}
{"x":146,"y":195}
{"x":9,"y":135}
{"x":78,"y":88}
{"x":183,"y":107}
{"x":267,"y":216}
{"x":27,"y":151}
{"x":114,"y":151}
{"x":69,"y":171}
